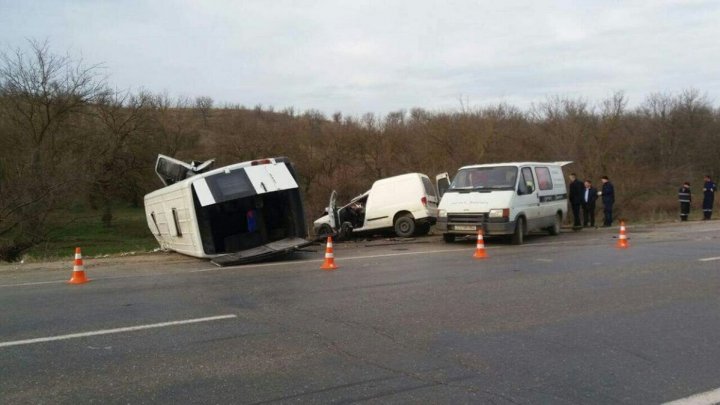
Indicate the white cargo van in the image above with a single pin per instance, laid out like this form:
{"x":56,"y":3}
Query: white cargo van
{"x":503,"y":199}
{"x":406,"y":204}
{"x":235,"y":214}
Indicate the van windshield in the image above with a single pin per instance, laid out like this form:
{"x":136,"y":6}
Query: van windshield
{"x":485,"y":178}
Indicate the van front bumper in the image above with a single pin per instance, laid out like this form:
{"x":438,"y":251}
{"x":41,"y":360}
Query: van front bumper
{"x":464,"y":227}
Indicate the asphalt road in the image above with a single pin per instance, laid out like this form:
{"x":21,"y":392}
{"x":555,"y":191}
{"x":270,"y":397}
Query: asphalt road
{"x":563,"y":320}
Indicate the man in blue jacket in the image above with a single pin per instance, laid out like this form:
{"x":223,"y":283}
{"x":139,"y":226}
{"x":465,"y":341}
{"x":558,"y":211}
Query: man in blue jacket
{"x":608,"y":199}
{"x":589,"y":197}
{"x":709,"y":189}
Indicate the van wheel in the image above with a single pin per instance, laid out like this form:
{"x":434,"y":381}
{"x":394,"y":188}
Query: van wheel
{"x":519,"y":235}
{"x":324,"y":231}
{"x":448,"y":238}
{"x":405,"y":226}
{"x":555,"y":228}
{"x":345,"y":231}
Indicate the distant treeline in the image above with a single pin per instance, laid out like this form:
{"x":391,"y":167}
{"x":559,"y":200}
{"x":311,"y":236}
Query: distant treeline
{"x":68,"y":140}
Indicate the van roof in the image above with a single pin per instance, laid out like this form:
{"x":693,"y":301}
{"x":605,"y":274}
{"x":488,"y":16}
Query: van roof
{"x":401,"y":177}
{"x":518,"y":164}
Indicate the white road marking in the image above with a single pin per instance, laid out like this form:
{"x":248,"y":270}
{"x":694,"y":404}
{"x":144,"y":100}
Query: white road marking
{"x":710,"y":259}
{"x":117,"y":330}
{"x":250,"y":266}
{"x":35,"y":283}
{"x":704,"y":398}
{"x":544,"y":260}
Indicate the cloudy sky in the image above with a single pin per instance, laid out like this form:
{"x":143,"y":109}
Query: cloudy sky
{"x":381,"y":56}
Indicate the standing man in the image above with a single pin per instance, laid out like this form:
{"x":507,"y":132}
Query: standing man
{"x":684,"y":197}
{"x":709,"y":189}
{"x":588,"y":204}
{"x":608,"y":199}
{"x":576,"y":190}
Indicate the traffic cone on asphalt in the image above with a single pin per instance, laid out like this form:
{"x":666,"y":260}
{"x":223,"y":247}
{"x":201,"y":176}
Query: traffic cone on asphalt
{"x":329,"y":263}
{"x":480,"y":247}
{"x":78,"y":275}
{"x":622,"y":242}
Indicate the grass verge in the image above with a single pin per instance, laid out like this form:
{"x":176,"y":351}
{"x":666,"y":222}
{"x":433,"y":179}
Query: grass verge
{"x":129,"y":233}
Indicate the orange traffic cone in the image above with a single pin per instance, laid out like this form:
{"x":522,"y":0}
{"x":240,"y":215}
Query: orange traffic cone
{"x":622,"y":242}
{"x":329,"y":263}
{"x":480,"y":247}
{"x":78,"y":275}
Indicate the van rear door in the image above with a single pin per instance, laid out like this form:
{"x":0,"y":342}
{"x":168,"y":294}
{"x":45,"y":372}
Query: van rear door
{"x":430,"y":193}
{"x":442,"y":182}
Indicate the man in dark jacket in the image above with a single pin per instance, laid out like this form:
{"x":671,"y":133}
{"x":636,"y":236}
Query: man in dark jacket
{"x":608,"y":199}
{"x":576,"y":189}
{"x":709,"y":189}
{"x":588,"y":204}
{"x":684,"y":197}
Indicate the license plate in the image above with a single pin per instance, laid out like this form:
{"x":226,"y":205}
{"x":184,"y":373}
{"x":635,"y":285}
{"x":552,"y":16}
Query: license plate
{"x":465,"y":227}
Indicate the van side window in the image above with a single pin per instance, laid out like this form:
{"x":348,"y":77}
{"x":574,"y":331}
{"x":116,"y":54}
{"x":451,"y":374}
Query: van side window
{"x":527,"y":183}
{"x":178,"y":232}
{"x":543,"y":177}
{"x":157,"y":228}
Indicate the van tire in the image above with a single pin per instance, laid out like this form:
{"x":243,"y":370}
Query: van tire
{"x":346,"y":231}
{"x":555,"y":228}
{"x":519,"y":236}
{"x":325,"y":231}
{"x":404,"y":226}
{"x":448,"y":238}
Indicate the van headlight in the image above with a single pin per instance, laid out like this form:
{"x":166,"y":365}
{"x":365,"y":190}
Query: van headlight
{"x":442,"y":213}
{"x":499,"y":213}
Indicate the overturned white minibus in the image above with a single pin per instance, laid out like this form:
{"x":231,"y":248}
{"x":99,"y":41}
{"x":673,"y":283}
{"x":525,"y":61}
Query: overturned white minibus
{"x":236,"y":214}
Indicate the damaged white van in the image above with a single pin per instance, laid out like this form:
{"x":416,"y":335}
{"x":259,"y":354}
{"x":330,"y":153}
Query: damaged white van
{"x":235,"y":214}
{"x":405,"y":204}
{"x":503,"y":199}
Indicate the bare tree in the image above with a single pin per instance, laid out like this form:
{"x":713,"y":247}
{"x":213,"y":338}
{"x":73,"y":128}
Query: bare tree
{"x":124,"y":145}
{"x":42,"y":97}
{"x":204,"y":105}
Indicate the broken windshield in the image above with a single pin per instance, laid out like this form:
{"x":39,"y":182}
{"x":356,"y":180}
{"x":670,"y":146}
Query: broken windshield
{"x":485,"y":178}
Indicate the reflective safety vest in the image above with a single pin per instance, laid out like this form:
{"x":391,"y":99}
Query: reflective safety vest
{"x":684,"y":195}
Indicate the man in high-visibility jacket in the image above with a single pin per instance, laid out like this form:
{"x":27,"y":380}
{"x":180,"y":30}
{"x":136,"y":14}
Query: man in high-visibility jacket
{"x":684,"y":197}
{"x":709,"y":189}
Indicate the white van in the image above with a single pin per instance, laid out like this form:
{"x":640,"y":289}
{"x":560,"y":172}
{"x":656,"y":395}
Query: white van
{"x":503,"y":199}
{"x":235,"y":214}
{"x":406,"y":204}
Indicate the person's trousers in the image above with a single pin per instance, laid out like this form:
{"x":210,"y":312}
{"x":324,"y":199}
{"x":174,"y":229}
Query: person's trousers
{"x":588,"y":214}
{"x":576,"y":214}
{"x":608,"y":215}
{"x":707,"y":209}
{"x":684,"y":211}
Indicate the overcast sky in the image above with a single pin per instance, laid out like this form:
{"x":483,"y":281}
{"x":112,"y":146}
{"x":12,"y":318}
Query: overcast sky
{"x":381,"y":56}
